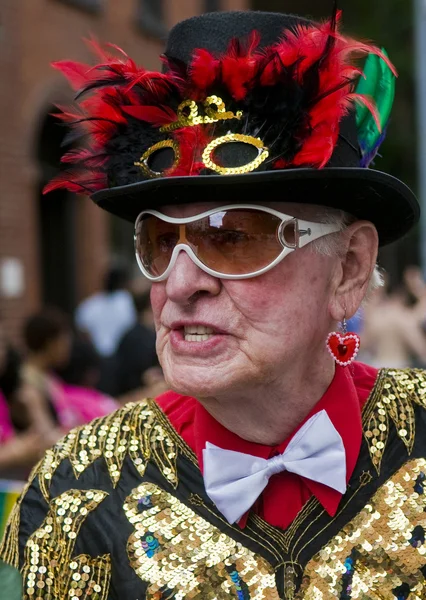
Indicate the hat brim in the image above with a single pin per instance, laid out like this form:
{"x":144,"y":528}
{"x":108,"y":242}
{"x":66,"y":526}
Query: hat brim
{"x":365,"y":193}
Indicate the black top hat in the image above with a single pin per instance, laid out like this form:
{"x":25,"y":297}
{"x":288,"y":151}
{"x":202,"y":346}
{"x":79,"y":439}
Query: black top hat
{"x":250,"y":106}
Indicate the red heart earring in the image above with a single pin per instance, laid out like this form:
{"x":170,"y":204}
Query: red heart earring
{"x":344,"y":346}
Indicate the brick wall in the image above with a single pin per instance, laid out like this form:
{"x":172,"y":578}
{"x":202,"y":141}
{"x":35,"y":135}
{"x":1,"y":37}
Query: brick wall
{"x":32,"y":34}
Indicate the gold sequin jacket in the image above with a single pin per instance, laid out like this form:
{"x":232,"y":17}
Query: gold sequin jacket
{"x":118,"y":511}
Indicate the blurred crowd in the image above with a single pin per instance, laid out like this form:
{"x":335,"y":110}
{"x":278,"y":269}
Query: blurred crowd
{"x":392,"y":323}
{"x":72,"y":370}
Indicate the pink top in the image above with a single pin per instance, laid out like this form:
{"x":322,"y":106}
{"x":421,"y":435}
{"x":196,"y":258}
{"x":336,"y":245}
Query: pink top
{"x":76,"y":405}
{"x":6,"y":427}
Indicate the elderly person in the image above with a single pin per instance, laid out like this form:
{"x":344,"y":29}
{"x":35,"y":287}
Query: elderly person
{"x":277,"y":467}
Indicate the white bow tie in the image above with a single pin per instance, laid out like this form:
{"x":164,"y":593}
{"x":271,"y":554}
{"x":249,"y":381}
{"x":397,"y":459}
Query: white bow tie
{"x":234,"y":480}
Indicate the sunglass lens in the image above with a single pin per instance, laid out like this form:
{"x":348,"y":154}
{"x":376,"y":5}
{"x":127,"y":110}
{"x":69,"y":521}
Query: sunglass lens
{"x":236,"y":241}
{"x":155,"y":241}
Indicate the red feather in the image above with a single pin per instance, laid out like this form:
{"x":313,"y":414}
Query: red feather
{"x":158,"y":84}
{"x":75,"y":72}
{"x":305,"y":47}
{"x":192,"y":141}
{"x":108,"y":57}
{"x":272,"y":68}
{"x":81,"y":183}
{"x":86,"y":157}
{"x":119,"y":89}
{"x":157,"y":116}
{"x":318,"y":148}
{"x":240,"y":65}
{"x":280,"y":163}
{"x":66,"y":115}
{"x":370,"y":105}
{"x":204,"y":69}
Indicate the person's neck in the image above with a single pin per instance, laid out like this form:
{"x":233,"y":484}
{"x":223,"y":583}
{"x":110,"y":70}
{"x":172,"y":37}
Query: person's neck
{"x":38,"y":362}
{"x":269,"y":414}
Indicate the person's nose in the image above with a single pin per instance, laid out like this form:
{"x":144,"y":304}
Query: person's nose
{"x":187,"y":280}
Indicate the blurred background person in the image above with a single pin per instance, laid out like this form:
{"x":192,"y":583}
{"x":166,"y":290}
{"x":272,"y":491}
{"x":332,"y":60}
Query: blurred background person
{"x":105,"y":317}
{"x":392,"y":333}
{"x":10,"y":385}
{"x":21,"y":444}
{"x":108,"y":314}
{"x":80,"y":378}
{"x":84,"y":364}
{"x":48,"y":339}
{"x":416,"y":289}
{"x":415,"y":283}
{"x":136,"y":352}
{"x":37,"y":407}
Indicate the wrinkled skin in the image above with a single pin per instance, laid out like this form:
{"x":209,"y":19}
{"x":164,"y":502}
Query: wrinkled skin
{"x":272,"y":357}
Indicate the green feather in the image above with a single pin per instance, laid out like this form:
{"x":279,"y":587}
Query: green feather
{"x":367,"y":85}
{"x":378,"y":83}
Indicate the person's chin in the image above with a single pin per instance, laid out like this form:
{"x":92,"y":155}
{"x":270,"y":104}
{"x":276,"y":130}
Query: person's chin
{"x":199,"y":368}
{"x":195,"y":380}
{"x":194,"y":390}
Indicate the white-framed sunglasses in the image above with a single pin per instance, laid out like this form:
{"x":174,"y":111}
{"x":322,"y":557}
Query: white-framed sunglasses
{"x":238,"y":241}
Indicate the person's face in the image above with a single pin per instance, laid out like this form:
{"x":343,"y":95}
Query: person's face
{"x":59,"y":350}
{"x":260,"y":325}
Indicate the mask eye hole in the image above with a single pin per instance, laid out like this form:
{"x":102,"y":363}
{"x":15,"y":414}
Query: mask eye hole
{"x":160,"y":158}
{"x":237,"y":154}
{"x":233,"y":155}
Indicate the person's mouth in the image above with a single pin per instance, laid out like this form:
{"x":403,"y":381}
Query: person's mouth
{"x":185,"y":335}
{"x":198,"y":333}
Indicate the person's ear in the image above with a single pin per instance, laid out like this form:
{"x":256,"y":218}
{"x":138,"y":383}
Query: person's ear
{"x":357,"y":260}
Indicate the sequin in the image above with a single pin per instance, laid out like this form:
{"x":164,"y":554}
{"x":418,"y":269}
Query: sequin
{"x":396,"y":395}
{"x":380,"y":554}
{"x":175,"y":550}
{"x":48,"y":567}
{"x":210,"y":163}
{"x":143,"y":435}
{"x":143,"y":163}
{"x":188,"y":114}
{"x":380,"y":551}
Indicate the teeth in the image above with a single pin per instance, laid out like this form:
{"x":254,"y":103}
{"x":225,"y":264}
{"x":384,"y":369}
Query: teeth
{"x":197,"y":338}
{"x":198,"y":329}
{"x":197,"y":333}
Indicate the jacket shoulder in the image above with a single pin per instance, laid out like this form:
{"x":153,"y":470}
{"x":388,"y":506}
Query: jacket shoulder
{"x":139,"y":431}
{"x":405,"y":384}
{"x":398,"y":397}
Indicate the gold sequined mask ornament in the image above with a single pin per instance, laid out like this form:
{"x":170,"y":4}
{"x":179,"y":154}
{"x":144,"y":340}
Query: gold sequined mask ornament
{"x":188,"y":116}
{"x":253,"y":107}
